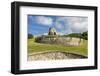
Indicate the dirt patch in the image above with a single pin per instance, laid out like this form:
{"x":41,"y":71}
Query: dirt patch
{"x":53,"y":56}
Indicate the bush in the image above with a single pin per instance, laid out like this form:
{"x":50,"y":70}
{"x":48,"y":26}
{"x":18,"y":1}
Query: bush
{"x":30,"y":36}
{"x":85,"y":35}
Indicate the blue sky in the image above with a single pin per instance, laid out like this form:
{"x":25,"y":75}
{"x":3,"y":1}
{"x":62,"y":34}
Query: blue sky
{"x":39,"y":25}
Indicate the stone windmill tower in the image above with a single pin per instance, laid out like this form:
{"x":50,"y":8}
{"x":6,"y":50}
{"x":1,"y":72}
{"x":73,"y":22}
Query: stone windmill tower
{"x":52,"y":31}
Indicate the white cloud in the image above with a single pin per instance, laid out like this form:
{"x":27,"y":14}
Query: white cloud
{"x":78,"y":24}
{"x":64,"y":25}
{"x":47,"y":21}
{"x":45,"y":33}
{"x":72,"y":24}
{"x":58,"y":25}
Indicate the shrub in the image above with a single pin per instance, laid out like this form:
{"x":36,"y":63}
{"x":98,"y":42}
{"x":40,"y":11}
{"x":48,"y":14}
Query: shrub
{"x":85,"y":35}
{"x":30,"y":36}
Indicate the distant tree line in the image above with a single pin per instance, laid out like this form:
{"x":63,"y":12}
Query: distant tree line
{"x":83,"y":35}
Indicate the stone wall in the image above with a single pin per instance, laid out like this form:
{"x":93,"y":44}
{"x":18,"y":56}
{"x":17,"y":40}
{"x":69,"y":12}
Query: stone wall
{"x":71,"y":41}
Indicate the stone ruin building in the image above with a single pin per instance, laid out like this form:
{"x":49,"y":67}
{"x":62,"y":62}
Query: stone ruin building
{"x":52,"y":31}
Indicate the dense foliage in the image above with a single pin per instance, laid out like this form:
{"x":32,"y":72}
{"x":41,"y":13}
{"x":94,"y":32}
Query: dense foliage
{"x":30,"y":36}
{"x":84,"y":35}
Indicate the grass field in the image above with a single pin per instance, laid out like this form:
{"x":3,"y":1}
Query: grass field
{"x":39,"y":47}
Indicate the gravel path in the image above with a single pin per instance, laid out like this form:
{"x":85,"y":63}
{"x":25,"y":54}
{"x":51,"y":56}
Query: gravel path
{"x":53,"y":56}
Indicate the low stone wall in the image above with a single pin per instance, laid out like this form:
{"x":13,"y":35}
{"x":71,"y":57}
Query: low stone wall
{"x":53,"y":56}
{"x":62,"y":40}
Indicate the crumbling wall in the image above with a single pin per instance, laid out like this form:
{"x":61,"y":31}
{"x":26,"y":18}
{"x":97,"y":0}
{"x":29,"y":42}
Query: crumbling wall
{"x":71,"y":41}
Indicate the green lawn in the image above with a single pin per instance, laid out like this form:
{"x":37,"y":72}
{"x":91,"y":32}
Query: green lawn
{"x":39,"y":47}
